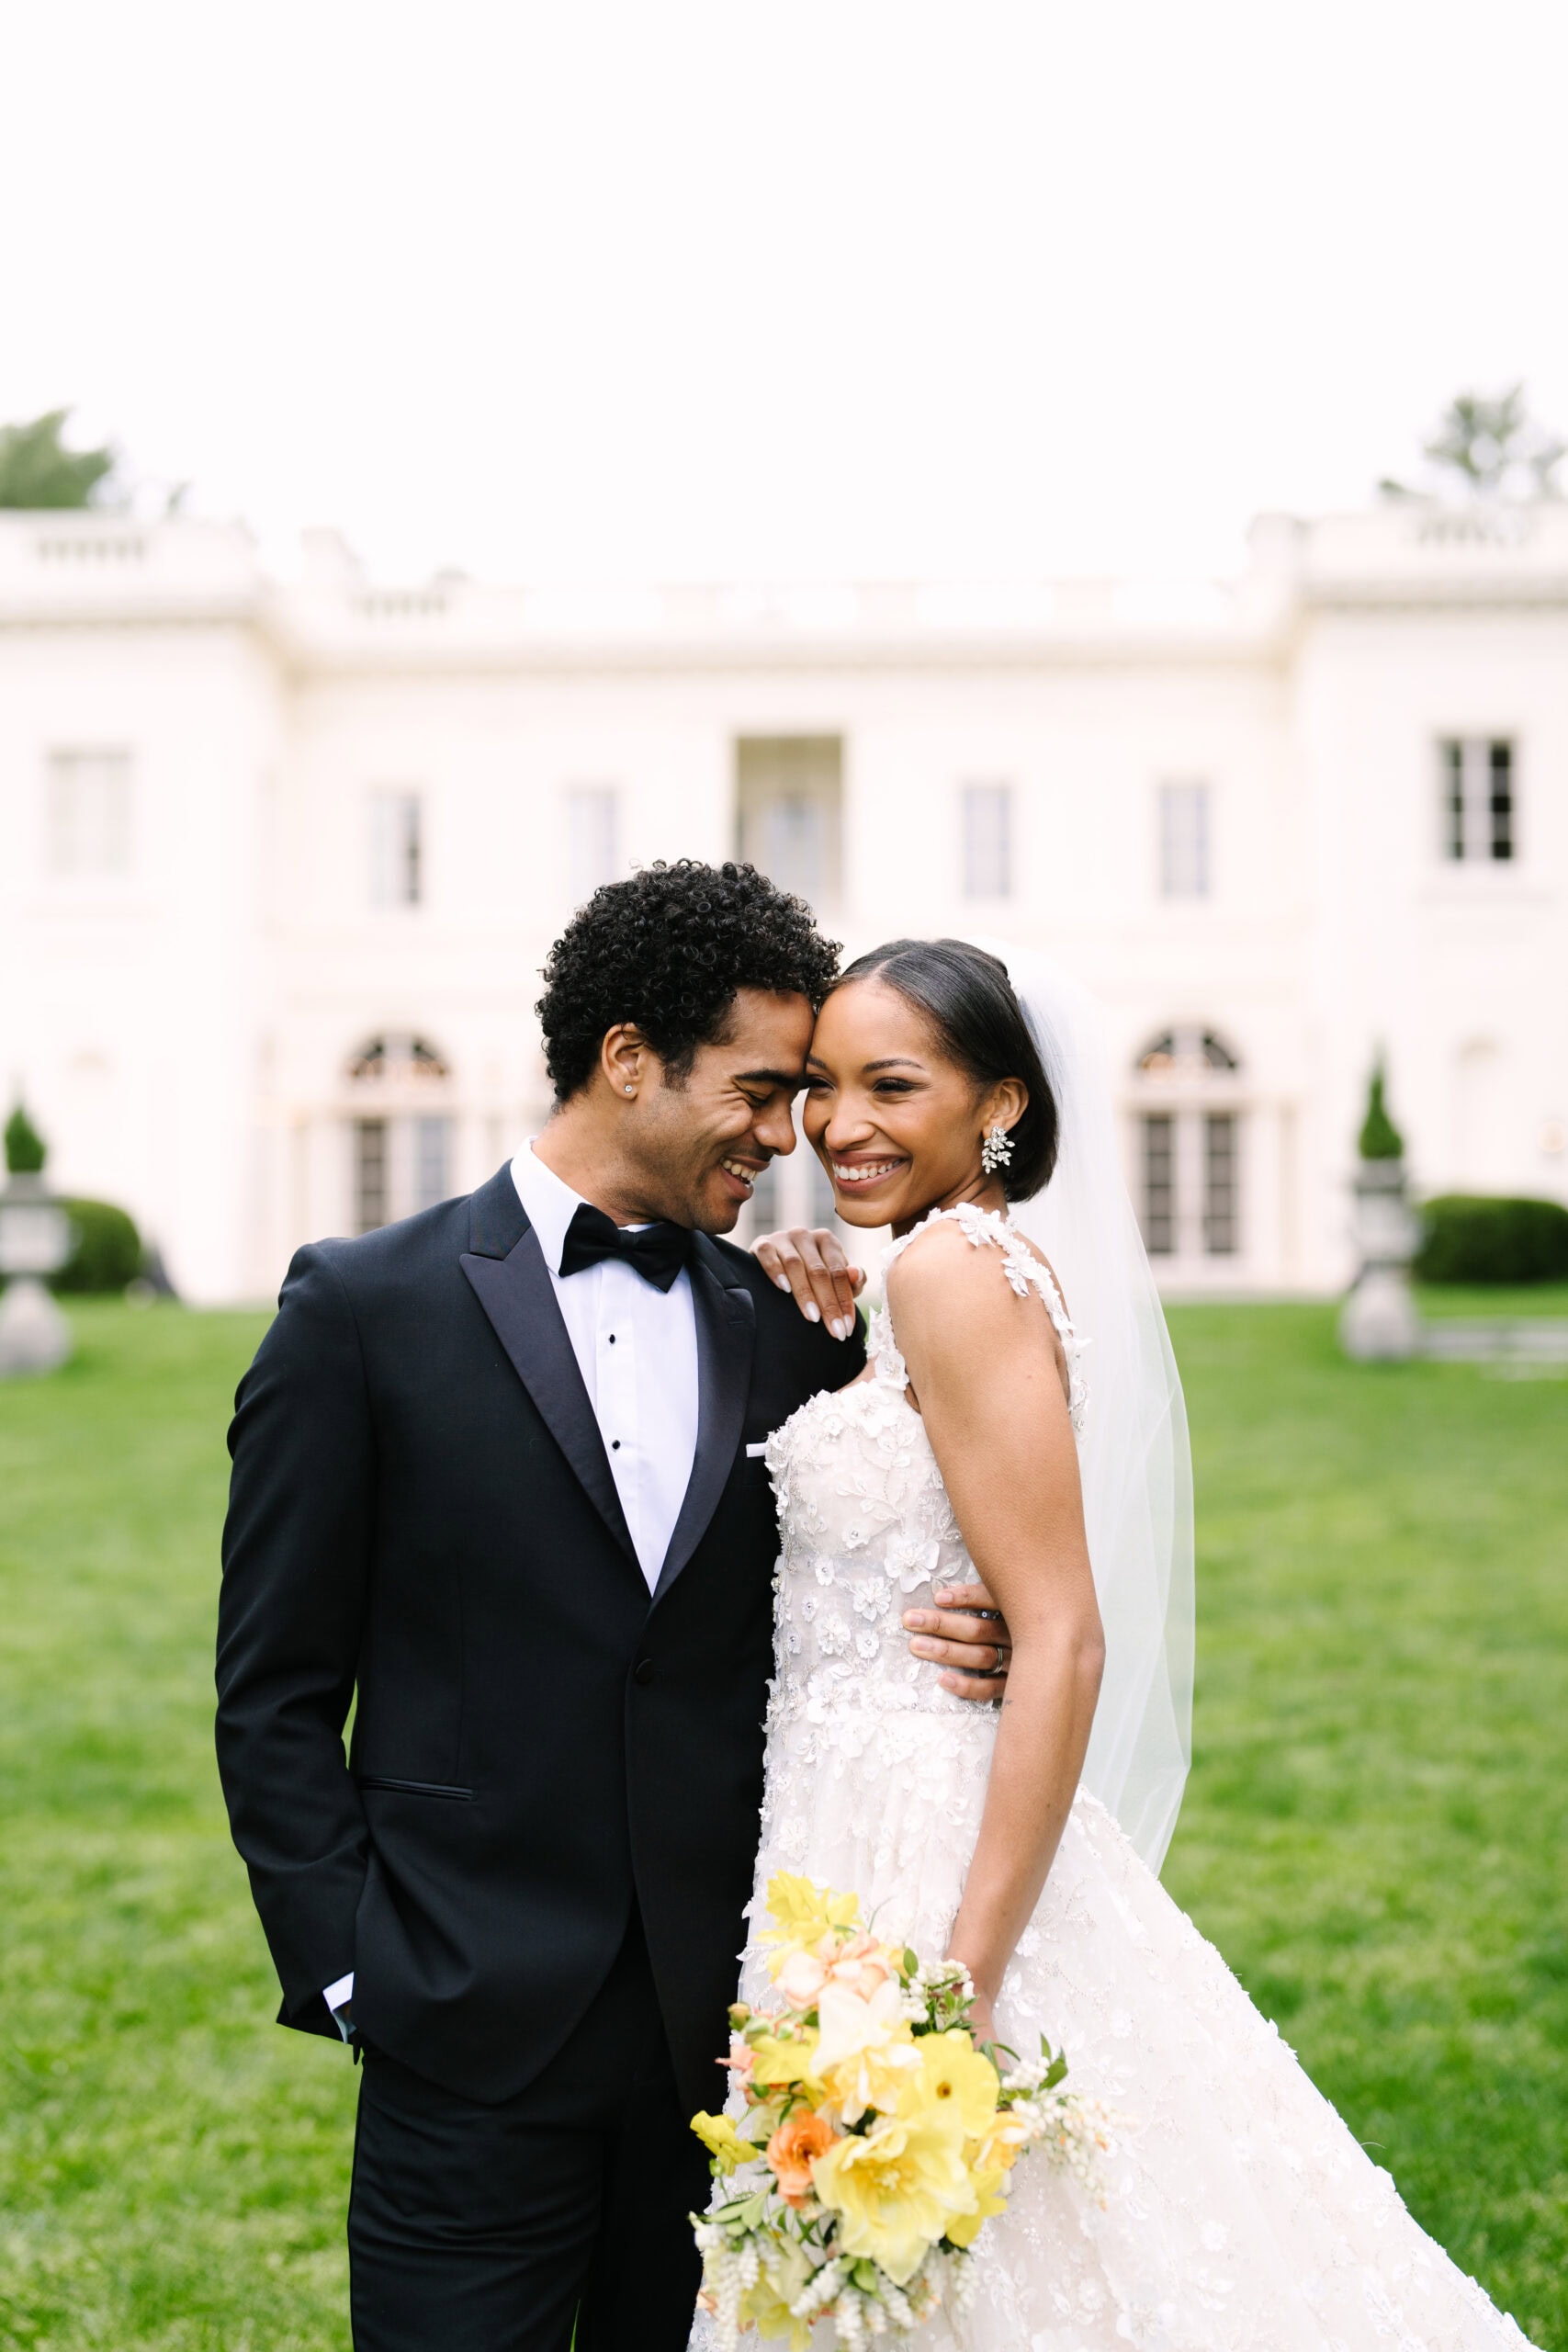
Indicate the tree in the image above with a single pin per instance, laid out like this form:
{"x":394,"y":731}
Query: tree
{"x":37,"y":471}
{"x":26,"y":1150}
{"x":1490,"y":451}
{"x":1379,"y":1140}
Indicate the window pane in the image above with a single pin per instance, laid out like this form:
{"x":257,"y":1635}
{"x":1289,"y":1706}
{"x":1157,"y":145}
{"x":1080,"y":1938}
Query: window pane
{"x":1220,"y":1183}
{"x":433,"y":1153}
{"x":396,"y":849}
{"x":369,"y":1174}
{"x":1184,"y":840}
{"x":788,"y":806}
{"x":89,"y":812}
{"x":794,"y":843}
{"x":593,"y":839}
{"x":1453,"y":799}
{"x":1501,"y":799}
{"x":1159,"y":1183}
{"x":987,"y":841}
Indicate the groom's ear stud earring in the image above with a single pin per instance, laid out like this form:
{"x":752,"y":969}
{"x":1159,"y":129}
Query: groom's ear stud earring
{"x":996,"y":1148}
{"x":631,"y":1090}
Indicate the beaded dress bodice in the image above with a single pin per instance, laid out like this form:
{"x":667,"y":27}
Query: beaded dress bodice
{"x":866,"y":1529}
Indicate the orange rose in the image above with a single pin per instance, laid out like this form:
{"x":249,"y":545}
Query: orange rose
{"x":793,"y":2150}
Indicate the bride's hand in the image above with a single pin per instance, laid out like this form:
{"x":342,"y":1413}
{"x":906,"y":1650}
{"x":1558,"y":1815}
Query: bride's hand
{"x":810,"y":1262}
{"x":982,"y":2019}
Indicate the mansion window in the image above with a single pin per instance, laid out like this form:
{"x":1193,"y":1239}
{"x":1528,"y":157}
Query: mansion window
{"x":87,"y":813}
{"x":1189,"y":1129}
{"x":986,"y":825}
{"x":400,"y":1130}
{"x":1184,"y":840}
{"x":593,"y":838}
{"x":397,"y":848}
{"x":1476,"y":788}
{"x":788,"y":797}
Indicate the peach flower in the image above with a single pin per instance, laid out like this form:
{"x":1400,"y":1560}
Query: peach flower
{"x":741,"y":2060}
{"x":860,"y":1965}
{"x":801,"y":1978}
{"x":792,"y":2151}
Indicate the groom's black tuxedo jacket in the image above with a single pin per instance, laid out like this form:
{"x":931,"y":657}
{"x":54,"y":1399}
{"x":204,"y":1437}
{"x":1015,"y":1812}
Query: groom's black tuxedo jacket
{"x":422,"y":1518}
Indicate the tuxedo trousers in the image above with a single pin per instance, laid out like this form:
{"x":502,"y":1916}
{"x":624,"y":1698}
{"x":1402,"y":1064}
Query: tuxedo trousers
{"x":498,"y":2229}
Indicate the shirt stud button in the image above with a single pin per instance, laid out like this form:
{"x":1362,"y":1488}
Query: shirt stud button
{"x":615,"y":1445}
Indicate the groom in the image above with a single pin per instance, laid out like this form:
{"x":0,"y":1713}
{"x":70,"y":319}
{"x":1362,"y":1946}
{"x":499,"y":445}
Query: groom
{"x":499,"y":1483}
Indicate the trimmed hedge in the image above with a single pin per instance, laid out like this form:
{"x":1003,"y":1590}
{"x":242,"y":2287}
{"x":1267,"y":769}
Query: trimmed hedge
{"x":1479,"y":1238}
{"x":108,"y":1254}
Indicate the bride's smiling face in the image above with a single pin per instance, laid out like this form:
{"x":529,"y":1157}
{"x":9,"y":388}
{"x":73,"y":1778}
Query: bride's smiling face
{"x":893,"y":1119}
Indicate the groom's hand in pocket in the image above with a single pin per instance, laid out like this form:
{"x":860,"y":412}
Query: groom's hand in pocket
{"x":967,"y":1633}
{"x":810,"y":1262}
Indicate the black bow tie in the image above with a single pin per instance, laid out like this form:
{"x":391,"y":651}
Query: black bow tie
{"x":657,"y":1252}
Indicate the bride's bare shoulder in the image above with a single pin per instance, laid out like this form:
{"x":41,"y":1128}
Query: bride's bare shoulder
{"x":952,"y":1293}
{"x":950,"y":1267}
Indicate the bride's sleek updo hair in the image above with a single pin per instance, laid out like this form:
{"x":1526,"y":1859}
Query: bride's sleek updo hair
{"x":968,"y":998}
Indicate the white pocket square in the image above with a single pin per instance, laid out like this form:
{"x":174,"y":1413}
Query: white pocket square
{"x":755,"y":1453}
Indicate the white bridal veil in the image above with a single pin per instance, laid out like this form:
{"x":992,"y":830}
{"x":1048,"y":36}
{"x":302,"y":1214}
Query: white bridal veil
{"x":1137,"y":1461}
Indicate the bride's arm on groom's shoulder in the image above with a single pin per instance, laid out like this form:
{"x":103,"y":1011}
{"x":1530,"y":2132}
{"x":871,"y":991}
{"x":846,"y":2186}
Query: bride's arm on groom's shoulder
{"x":983,"y":1365}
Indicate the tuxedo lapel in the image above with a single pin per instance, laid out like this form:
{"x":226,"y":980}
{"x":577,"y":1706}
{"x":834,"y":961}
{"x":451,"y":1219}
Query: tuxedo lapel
{"x":726,"y":1330}
{"x":515,"y":1292}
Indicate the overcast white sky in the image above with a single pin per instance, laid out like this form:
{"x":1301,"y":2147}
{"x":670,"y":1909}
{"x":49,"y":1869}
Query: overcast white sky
{"x":869,"y":288}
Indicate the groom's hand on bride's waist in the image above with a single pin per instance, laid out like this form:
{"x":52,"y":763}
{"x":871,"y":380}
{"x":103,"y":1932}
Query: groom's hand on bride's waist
{"x":967,"y":1633}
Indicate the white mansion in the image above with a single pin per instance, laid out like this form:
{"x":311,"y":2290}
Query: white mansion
{"x":279,"y":866}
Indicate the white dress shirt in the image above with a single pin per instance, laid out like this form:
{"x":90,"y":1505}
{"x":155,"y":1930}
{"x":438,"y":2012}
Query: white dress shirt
{"x":636,"y":1350}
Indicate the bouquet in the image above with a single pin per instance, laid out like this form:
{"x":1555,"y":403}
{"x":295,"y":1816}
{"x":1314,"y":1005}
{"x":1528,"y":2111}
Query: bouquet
{"x":875,"y":2138}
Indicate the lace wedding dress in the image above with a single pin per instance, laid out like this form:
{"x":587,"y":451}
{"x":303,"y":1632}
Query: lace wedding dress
{"x":1240,"y":2214}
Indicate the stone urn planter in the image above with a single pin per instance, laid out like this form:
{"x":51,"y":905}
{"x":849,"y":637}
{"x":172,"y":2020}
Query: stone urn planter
{"x":35,"y":1241}
{"x":1379,"y":1319}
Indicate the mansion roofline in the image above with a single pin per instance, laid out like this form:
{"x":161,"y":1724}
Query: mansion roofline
{"x":91,"y":569}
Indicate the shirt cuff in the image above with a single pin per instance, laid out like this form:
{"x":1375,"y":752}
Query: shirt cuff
{"x":337,"y":1996}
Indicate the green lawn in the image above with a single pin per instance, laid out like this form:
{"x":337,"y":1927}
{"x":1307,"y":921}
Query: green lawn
{"x":1374,"y":1833}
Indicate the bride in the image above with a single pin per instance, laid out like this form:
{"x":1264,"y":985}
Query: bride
{"x":996,"y":1435}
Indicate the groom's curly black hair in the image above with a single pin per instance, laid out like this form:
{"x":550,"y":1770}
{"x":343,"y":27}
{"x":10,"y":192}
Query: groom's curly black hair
{"x":667,"y":949}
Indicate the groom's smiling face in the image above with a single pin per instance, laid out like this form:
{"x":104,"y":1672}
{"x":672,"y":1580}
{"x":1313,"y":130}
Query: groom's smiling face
{"x":701,"y":1140}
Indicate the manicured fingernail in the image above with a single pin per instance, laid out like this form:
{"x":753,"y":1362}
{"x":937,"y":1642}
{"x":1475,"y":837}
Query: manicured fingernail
{"x":944,"y":1599}
{"x":783,"y":1281}
{"x":811,"y":1313}
{"x":914,"y":1623}
{"x":840,"y":1330}
{"x":923,"y":1649}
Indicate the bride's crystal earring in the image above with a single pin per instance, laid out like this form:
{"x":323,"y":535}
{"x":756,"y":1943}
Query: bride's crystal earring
{"x":996,"y":1148}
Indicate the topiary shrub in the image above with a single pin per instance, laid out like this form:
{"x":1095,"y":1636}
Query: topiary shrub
{"x":1477,"y":1238}
{"x":108,"y":1252}
{"x":26,"y":1150}
{"x":1379,"y":1139}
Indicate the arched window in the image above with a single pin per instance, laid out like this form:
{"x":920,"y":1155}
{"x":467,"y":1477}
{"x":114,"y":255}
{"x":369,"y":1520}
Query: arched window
{"x":401,"y":1129}
{"x":1188,"y":1126}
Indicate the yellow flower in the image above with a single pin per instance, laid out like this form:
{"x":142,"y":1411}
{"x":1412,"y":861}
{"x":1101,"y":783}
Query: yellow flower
{"x":953,"y":2073}
{"x":964,"y":2228}
{"x":804,"y":1914}
{"x":786,"y":2273}
{"x":780,"y":2061}
{"x":897,"y":2190}
{"x":999,"y":2148}
{"x":720,"y":2138}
